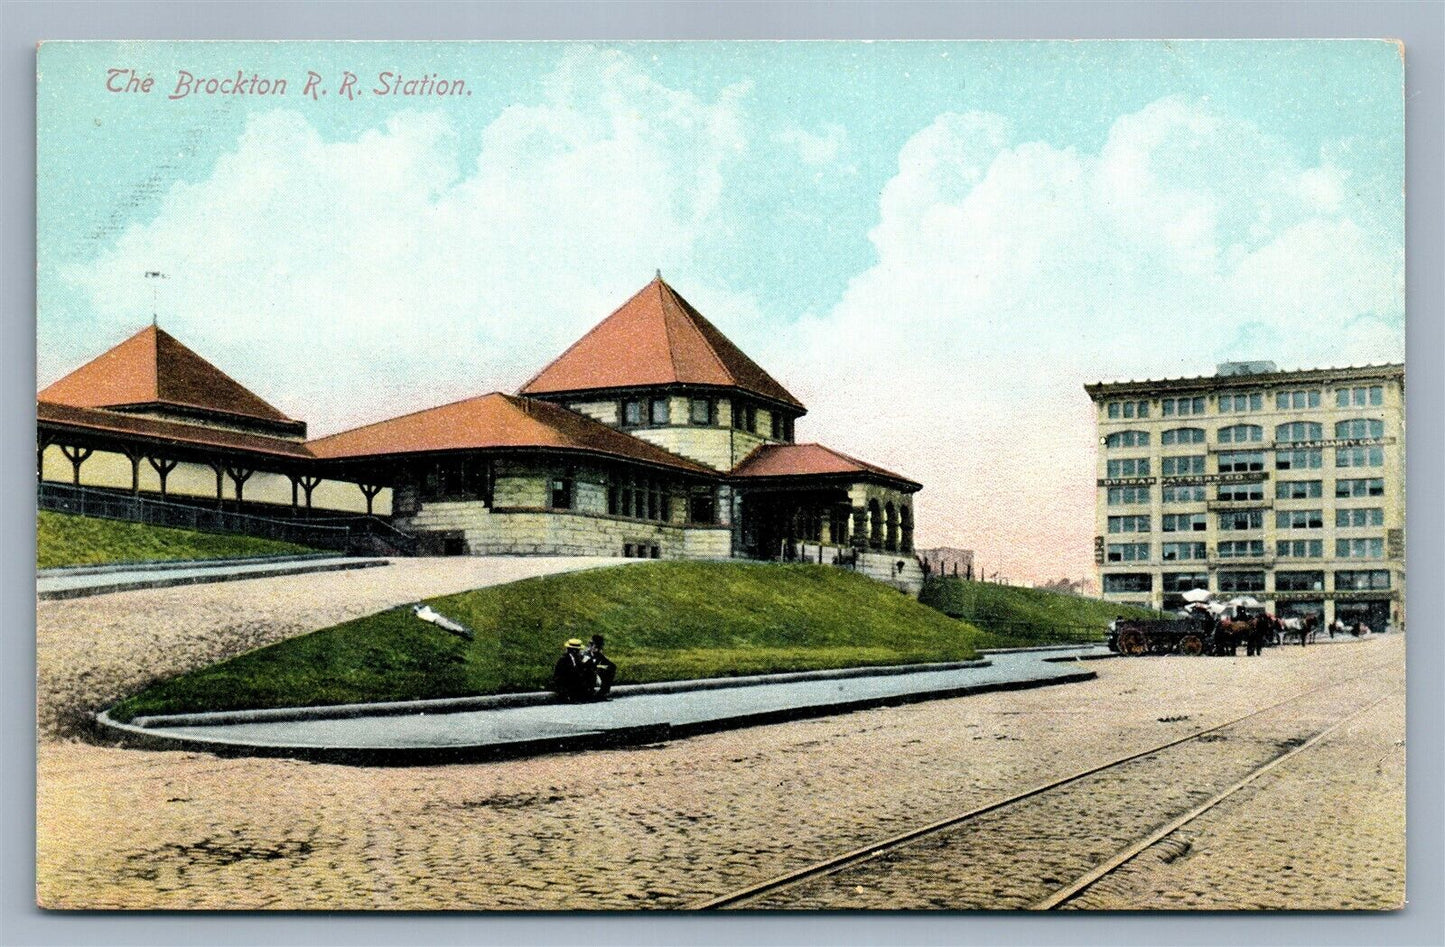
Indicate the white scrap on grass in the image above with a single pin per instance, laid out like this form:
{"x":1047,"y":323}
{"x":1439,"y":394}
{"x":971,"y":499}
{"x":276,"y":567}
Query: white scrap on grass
{"x":427,"y":613}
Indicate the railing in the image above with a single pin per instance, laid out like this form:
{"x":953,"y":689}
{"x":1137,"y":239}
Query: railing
{"x":372,"y":527}
{"x":106,"y":504}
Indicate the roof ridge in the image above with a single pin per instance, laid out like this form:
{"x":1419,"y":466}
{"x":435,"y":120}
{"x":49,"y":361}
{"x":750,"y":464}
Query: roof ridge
{"x":409,"y":414}
{"x":689,"y":315}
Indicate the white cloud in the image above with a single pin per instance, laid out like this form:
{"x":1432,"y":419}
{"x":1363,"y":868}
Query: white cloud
{"x":1009,"y":274}
{"x":353,"y":279}
{"x":815,"y":149}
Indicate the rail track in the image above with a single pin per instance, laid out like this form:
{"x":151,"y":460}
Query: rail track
{"x":1061,"y":894}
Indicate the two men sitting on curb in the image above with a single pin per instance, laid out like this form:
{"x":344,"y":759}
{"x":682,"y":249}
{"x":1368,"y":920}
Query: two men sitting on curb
{"x":583,"y":674}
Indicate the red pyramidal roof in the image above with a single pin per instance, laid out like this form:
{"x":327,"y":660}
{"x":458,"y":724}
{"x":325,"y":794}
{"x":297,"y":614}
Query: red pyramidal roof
{"x":494,"y":421}
{"x":151,"y":367}
{"x":656,"y":338}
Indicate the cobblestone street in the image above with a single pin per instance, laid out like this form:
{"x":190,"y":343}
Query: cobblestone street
{"x":670,"y":825}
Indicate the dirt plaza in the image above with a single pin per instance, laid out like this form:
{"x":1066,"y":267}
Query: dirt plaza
{"x":671,"y":825}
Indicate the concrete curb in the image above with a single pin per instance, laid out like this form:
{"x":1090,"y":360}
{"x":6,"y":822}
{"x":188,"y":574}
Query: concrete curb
{"x":587,"y":740}
{"x":84,"y":591}
{"x":528,"y":699}
{"x":118,"y":567}
{"x":1041,"y":647}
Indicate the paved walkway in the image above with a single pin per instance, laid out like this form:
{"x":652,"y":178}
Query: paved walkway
{"x":78,"y":583}
{"x":644,"y":714}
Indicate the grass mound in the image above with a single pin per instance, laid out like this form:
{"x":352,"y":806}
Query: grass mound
{"x":1017,"y":617}
{"x":64,"y":539}
{"x":662,"y":620}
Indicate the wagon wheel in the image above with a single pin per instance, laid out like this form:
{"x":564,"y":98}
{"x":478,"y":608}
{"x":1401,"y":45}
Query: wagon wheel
{"x":1191,"y":644}
{"x":1132,"y":641}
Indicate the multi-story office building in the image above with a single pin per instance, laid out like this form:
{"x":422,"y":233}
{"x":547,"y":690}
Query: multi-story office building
{"x":1286,"y":486}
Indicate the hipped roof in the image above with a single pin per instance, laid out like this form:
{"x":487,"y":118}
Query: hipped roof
{"x":128,"y":426}
{"x":655,"y":338}
{"x":152,"y":367}
{"x":494,"y":421}
{"x":803,"y":460}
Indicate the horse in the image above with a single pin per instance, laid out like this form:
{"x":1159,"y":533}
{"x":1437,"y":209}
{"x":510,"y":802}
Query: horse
{"x":1303,"y":628}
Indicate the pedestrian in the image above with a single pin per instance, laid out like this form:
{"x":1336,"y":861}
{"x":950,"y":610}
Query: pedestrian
{"x":1254,"y":638}
{"x":604,"y":669}
{"x":572,"y":677}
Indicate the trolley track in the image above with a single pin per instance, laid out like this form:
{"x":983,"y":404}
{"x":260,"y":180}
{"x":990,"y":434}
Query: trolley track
{"x":932,"y":833}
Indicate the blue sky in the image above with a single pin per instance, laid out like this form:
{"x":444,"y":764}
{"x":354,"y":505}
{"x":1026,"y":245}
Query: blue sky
{"x":947,"y":239}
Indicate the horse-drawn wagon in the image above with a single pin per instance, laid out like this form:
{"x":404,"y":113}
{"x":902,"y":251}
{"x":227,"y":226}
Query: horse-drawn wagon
{"x":1161,"y":636}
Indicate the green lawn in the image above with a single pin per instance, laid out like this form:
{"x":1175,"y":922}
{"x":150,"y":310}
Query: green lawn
{"x":1018,"y":617}
{"x":63,"y":539}
{"x":663,"y":621}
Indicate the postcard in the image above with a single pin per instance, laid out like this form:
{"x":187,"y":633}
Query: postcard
{"x":774,"y":476}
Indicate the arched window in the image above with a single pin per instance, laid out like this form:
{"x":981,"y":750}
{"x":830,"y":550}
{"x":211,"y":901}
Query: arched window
{"x":1241,"y":434}
{"x":1127,"y":439}
{"x":1360,"y":427}
{"x":1298,"y":431}
{"x":1182,"y":435}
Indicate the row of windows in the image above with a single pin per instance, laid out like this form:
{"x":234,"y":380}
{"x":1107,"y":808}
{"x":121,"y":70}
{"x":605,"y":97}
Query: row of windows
{"x":1372,"y":548}
{"x":1288,"y":432}
{"x":1345,"y":489}
{"x":701,"y":412}
{"x":1176,"y":582}
{"x":1245,"y":462}
{"x":1236,"y":403}
{"x":1250,"y":519}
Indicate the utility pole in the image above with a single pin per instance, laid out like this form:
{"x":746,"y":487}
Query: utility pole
{"x":155,"y":298}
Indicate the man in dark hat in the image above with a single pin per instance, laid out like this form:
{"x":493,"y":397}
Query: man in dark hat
{"x":572,"y":677}
{"x":605,"y":669}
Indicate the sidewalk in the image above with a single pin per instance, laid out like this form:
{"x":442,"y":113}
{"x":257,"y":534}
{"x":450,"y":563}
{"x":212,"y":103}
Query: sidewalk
{"x":102,"y":580}
{"x":438,"y":731}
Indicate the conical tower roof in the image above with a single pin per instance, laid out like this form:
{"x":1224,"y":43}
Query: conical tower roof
{"x":655,"y":338}
{"x":153,"y":368}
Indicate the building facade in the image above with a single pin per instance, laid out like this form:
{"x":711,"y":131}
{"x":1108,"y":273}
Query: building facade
{"x":1285,"y":486}
{"x":652,"y":436}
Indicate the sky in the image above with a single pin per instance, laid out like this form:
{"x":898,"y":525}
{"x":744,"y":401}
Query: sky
{"x":933,"y":245}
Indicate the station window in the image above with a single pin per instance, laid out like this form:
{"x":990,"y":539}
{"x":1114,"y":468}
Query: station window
{"x":1180,"y":552}
{"x":1125,"y":496}
{"x":1363,"y":516}
{"x":1179,"y":407}
{"x":1185,"y":523}
{"x":1365,"y":396}
{"x":1359,"y":457}
{"x":1241,"y":461}
{"x":1362,"y":581}
{"x":1360,"y":428}
{"x":1237,"y":520}
{"x":1182,"y":435}
{"x":560,"y":493}
{"x":1241,"y":581}
{"x":1306,"y":459}
{"x":1240,"y":492}
{"x":1299,"y":519}
{"x":1240,"y":434}
{"x":1128,"y":467}
{"x":701,"y":411}
{"x":1297,"y":489}
{"x":659,"y":413}
{"x":1237,"y":403}
{"x":1360,"y":548}
{"x":1128,"y":582}
{"x":1241,"y":549}
{"x":1366,"y":487}
{"x":632,"y":413}
{"x":1128,"y":552}
{"x":1299,"y":581}
{"x":702,"y":506}
{"x":1305,"y":398}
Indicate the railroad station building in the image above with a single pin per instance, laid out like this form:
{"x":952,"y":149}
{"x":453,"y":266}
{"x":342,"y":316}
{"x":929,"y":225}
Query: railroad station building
{"x":1288,"y":486}
{"x":652,"y":436}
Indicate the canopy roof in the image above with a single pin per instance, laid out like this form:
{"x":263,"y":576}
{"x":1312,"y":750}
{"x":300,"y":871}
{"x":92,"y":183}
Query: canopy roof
{"x":804,"y":460}
{"x":143,"y":430}
{"x":655,"y":338}
{"x":494,"y":421}
{"x":151,"y":368}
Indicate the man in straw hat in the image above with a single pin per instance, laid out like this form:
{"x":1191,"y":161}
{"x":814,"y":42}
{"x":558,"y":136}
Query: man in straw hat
{"x":573,"y":677}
